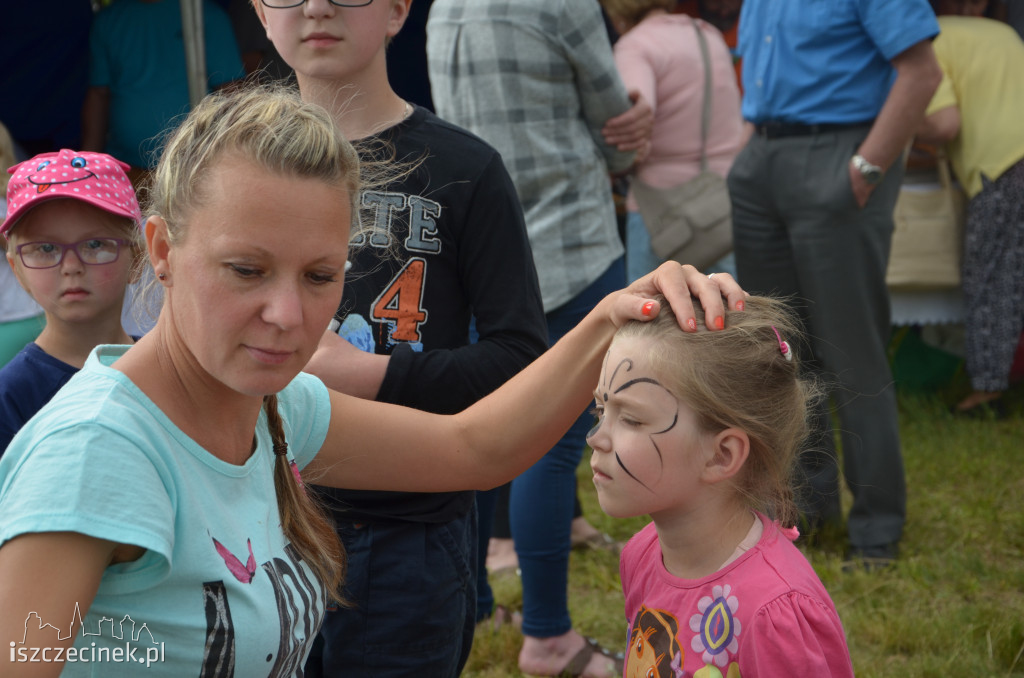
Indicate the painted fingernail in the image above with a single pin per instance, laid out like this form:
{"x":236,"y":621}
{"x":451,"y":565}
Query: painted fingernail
{"x":648,"y":307}
{"x":692,"y":324}
{"x":740,"y":305}
{"x":719,"y":323}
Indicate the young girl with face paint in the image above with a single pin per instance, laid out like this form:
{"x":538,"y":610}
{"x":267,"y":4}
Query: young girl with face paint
{"x":700,"y":431}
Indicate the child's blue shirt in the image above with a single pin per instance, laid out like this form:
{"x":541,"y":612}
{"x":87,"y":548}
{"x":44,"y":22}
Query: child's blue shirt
{"x":27,"y":383}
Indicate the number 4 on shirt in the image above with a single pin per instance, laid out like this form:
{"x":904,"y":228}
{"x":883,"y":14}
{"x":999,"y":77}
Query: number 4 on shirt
{"x":401,"y":302}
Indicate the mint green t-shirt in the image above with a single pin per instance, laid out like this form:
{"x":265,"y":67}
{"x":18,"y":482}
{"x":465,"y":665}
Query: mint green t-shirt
{"x":218,"y":591}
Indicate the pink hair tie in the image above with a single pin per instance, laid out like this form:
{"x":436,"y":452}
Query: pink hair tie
{"x":295,"y":472}
{"x":787,"y":352}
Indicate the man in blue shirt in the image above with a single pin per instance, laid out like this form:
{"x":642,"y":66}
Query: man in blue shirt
{"x":833,"y":92}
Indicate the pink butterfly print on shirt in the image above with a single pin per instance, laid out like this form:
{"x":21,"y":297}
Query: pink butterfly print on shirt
{"x":243,"y":573}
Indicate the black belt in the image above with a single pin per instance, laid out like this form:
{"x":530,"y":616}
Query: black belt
{"x":778,"y":130}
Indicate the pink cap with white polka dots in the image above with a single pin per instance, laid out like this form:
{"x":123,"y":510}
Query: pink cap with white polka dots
{"x":95,"y":178}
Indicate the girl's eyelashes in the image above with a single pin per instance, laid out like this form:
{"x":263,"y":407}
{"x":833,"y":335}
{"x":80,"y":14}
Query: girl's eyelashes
{"x":598,"y":412}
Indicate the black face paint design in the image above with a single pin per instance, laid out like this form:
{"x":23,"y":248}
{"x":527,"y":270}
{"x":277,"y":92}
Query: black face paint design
{"x":604,"y":398}
{"x":628,"y":364}
{"x":629,"y":473}
{"x":634,"y":382}
{"x":675,"y":420}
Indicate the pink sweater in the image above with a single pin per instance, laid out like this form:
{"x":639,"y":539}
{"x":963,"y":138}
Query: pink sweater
{"x":764,"y":614}
{"x":661,"y":58}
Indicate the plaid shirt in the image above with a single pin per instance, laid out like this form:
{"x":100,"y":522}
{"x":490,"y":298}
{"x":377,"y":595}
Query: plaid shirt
{"x":536,"y":80}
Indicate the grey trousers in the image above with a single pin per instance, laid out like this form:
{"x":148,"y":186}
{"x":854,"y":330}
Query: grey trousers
{"x":799,"y":233}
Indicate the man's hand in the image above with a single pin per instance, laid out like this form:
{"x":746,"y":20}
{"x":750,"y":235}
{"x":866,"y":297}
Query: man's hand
{"x":631,"y":131}
{"x":861,"y":188}
{"x":917,"y":77}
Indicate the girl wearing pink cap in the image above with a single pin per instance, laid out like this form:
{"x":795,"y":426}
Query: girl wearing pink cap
{"x":72,"y":239}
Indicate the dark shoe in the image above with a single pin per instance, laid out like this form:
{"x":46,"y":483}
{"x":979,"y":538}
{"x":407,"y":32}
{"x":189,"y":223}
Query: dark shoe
{"x":871,"y":558}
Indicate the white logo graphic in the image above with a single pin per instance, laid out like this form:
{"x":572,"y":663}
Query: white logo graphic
{"x":42,"y":642}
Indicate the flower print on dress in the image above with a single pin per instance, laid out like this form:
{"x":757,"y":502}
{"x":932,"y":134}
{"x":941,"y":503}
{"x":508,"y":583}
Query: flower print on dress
{"x":716,"y":627}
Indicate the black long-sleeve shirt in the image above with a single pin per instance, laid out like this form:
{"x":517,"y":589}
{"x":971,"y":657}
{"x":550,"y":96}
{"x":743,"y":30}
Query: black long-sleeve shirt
{"x":456,"y":249}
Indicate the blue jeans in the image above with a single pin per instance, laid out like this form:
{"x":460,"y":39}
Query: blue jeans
{"x":640,"y":258}
{"x":541,"y":502}
{"x":486,"y":501}
{"x":412,"y":587}
{"x":485,"y":505}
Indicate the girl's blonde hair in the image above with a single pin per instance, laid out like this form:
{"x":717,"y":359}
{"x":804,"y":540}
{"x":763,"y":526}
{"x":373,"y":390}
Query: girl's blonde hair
{"x":740,"y":378}
{"x":272,"y":127}
{"x":633,"y":11}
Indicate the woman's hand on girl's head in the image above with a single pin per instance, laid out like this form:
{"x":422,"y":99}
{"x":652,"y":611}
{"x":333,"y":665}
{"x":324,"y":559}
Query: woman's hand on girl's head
{"x":680,"y":285}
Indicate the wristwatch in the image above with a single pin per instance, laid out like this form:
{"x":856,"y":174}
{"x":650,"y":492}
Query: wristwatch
{"x":872,"y":173}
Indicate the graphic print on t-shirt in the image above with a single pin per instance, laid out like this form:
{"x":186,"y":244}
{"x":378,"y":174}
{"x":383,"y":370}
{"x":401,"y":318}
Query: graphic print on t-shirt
{"x":656,"y":650}
{"x":300,"y":602}
{"x":405,"y":230}
{"x":716,"y":629}
{"x":243,"y":573}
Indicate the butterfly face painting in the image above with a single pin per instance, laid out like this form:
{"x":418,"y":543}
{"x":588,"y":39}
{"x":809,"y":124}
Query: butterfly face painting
{"x":647,"y":445}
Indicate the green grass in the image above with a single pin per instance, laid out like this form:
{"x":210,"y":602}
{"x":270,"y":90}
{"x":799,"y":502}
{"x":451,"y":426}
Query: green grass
{"x":953,"y":606}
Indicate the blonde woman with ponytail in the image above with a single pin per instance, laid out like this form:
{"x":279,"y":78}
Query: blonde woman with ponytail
{"x":166,"y":485}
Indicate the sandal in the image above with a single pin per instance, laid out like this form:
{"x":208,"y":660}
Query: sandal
{"x":578,"y":664}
